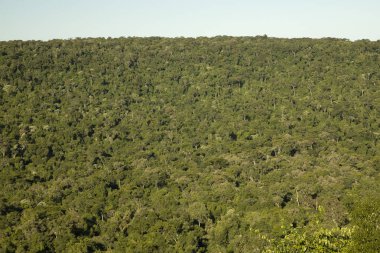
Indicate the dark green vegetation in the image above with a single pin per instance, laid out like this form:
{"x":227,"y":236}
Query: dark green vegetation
{"x":190,"y":145}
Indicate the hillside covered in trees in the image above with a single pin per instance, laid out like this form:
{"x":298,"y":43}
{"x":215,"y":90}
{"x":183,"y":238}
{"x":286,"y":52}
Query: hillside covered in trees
{"x":225,"y":144}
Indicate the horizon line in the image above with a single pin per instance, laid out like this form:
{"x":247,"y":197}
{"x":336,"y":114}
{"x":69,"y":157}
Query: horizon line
{"x":188,"y":37}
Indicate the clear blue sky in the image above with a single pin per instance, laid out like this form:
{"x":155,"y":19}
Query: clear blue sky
{"x":48,"y":19}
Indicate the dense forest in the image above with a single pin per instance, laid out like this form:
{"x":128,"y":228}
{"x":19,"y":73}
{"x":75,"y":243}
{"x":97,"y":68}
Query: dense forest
{"x":224,"y":144}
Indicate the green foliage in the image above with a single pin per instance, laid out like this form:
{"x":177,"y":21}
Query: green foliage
{"x":189,"y":145}
{"x":366,"y":217}
{"x":321,"y":240}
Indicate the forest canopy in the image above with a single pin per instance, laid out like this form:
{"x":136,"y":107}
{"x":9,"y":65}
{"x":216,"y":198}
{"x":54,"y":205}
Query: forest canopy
{"x":224,"y":144}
